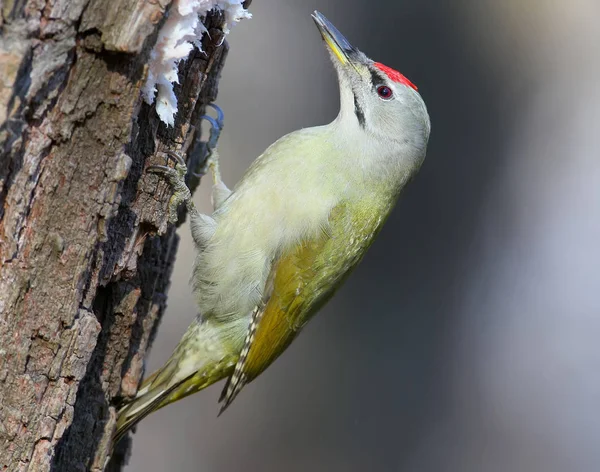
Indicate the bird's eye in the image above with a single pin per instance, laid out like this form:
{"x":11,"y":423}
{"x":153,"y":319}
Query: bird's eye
{"x":384,"y":92}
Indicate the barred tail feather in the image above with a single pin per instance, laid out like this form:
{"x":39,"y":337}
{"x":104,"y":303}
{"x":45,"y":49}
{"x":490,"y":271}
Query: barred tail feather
{"x":237,"y":380}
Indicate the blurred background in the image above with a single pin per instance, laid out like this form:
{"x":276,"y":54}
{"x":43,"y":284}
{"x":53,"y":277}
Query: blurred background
{"x":467,"y":340}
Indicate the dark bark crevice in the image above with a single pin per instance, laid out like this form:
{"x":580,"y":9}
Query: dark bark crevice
{"x":85,"y":251}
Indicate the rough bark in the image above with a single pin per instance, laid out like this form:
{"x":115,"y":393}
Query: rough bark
{"x":85,"y":250}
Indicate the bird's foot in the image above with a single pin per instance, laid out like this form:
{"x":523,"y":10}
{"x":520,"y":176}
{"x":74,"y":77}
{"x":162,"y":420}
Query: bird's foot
{"x":175,"y":176}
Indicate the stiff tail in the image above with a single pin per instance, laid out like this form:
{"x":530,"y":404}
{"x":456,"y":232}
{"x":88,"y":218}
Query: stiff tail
{"x":148,"y":400}
{"x":198,"y":361}
{"x":201,"y":359}
{"x":160,"y":389}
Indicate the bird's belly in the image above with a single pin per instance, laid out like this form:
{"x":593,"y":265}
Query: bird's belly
{"x":230,"y":274}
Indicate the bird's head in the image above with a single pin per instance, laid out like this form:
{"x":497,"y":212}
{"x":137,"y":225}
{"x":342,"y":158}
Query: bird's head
{"x":375,"y":99}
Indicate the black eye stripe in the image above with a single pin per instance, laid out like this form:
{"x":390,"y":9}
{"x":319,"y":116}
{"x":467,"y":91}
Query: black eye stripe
{"x":376,"y":79}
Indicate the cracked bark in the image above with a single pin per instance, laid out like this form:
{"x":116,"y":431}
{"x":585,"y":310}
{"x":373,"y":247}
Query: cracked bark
{"x":85,"y":251}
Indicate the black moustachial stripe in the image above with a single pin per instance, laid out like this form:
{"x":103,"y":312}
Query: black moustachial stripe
{"x":358,"y":111}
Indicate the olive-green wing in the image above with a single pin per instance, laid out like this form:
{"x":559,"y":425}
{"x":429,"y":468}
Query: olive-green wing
{"x":301,"y":281}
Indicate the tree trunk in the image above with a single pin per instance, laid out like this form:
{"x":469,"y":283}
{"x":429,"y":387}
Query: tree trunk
{"x":85,"y":251}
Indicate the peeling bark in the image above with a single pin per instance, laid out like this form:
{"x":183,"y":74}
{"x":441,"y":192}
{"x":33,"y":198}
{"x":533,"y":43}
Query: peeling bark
{"x":85,"y":251}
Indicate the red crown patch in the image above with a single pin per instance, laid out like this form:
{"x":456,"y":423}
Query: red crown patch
{"x":394,"y":75}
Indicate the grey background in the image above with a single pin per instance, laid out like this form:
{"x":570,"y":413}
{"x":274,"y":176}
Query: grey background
{"x":468,"y":338}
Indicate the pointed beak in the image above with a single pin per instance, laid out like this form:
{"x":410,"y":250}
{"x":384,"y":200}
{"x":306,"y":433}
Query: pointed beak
{"x":336,"y":42}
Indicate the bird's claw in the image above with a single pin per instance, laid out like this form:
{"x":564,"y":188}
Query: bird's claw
{"x":210,"y":146}
{"x":178,"y":158}
{"x":220,"y":114}
{"x":175,"y":176}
